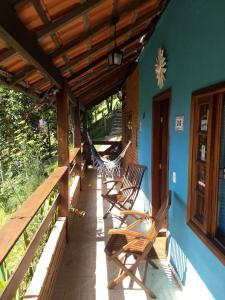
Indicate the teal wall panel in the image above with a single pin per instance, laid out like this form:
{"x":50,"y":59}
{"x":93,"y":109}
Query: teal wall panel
{"x":192,"y":33}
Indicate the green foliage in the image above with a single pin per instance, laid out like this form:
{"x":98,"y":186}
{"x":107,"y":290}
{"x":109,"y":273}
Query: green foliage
{"x":27,"y":139}
{"x":104,"y":108}
{"x":27,"y":156}
{"x":101,"y":116}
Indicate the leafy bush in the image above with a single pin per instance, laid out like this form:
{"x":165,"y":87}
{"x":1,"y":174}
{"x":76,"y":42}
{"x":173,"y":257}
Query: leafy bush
{"x":27,"y":156}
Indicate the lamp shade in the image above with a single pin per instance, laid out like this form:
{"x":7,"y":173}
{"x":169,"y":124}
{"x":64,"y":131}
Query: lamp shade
{"x":115,"y":57}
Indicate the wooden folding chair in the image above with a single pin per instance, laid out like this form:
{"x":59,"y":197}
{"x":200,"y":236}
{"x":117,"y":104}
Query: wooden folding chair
{"x":130,"y":184}
{"x":125,"y":242}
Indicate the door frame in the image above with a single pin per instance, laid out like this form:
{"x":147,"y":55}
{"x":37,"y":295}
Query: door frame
{"x":166,"y":95}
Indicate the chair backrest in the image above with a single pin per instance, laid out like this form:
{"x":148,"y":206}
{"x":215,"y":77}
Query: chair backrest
{"x":158,"y":221}
{"x":133,"y":177}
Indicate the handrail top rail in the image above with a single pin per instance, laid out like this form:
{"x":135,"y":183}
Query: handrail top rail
{"x":15,"y":226}
{"x":73,"y":153}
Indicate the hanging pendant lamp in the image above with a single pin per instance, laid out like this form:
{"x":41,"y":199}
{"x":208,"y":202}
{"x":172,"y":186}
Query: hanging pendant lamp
{"x":115,"y":57}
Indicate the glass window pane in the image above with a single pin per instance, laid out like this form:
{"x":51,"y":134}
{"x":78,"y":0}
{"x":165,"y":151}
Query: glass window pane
{"x":202,"y":148}
{"x":204,"y":113}
{"x":201,"y":178}
{"x":200,"y":204}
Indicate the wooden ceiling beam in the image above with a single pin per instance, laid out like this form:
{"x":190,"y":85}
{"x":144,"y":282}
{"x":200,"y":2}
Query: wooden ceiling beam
{"x":18,"y":2}
{"x":91,"y":76}
{"x":68,"y":17}
{"x":95,"y":85}
{"x":98,"y":98}
{"x":134,"y":18}
{"x":115,"y":17}
{"x":105,"y":74}
{"x":20,"y":89}
{"x":13,"y":31}
{"x":86,"y":29}
{"x":107,"y":81}
{"x":42,"y":14}
{"x":102,"y":45}
{"x":7,"y":54}
{"x":23,"y":74}
{"x":105,"y":23}
{"x":40,"y":10}
{"x":39,"y":83}
{"x":119,"y":74}
{"x":103,"y":84}
{"x":85,"y":69}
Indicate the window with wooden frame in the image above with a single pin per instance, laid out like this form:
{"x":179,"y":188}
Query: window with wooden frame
{"x":206,"y":194}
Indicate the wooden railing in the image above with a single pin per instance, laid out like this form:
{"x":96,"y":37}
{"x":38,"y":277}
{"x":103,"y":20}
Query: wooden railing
{"x":19,"y":221}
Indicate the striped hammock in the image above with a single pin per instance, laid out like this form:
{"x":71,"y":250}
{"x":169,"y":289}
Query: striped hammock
{"x":105,"y":167}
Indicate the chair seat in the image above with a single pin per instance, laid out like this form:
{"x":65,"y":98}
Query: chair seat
{"x":118,"y":241}
{"x":115,"y":197}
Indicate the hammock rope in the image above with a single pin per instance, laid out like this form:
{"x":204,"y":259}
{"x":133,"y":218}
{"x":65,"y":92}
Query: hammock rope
{"x":105,"y":167}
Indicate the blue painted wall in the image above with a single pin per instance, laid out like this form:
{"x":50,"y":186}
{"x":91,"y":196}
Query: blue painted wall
{"x":192,"y":32}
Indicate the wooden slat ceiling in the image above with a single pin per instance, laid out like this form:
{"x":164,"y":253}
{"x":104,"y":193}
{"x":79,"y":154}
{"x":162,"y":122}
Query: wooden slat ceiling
{"x":45,"y":43}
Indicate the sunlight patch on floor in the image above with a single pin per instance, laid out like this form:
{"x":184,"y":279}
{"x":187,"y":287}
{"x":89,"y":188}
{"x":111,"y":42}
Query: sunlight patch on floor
{"x":101,"y":266}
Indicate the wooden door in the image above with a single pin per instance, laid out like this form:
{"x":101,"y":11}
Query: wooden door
{"x":160,"y":150}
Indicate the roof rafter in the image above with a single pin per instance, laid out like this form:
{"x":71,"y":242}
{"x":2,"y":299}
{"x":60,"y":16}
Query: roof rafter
{"x":39,"y":8}
{"x":68,"y":17}
{"x":99,"y":97}
{"x":85,"y":69}
{"x":17,"y":35}
{"x":23,"y":74}
{"x":7,"y":54}
{"x":102,"y":45}
{"x":107,"y":73}
{"x":86,"y":28}
{"x":19,"y":89}
{"x":105,"y":23}
{"x":108,"y":81}
{"x":96,"y":84}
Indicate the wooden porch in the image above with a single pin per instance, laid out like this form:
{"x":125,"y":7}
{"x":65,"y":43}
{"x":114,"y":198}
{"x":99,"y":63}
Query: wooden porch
{"x":67,"y":70}
{"x":84,"y":272}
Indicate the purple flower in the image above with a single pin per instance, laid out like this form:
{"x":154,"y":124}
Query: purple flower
{"x":42,"y":124}
{"x":17,"y":163}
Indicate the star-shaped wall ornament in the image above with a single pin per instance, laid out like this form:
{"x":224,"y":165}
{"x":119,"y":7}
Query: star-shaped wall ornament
{"x":160,"y":69}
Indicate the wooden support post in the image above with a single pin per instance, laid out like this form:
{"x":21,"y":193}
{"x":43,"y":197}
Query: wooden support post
{"x":86,"y":148}
{"x":77,"y":133}
{"x":77,"y":137}
{"x":85,"y":122}
{"x":63,"y":149}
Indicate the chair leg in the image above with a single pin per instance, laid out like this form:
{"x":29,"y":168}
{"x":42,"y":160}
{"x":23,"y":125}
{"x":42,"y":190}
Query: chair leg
{"x":121,"y":276}
{"x":106,"y":215}
{"x":149,"y":260}
{"x":123,"y":220}
{"x":128,"y":272}
{"x":153,"y":264}
{"x":108,"y":211}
